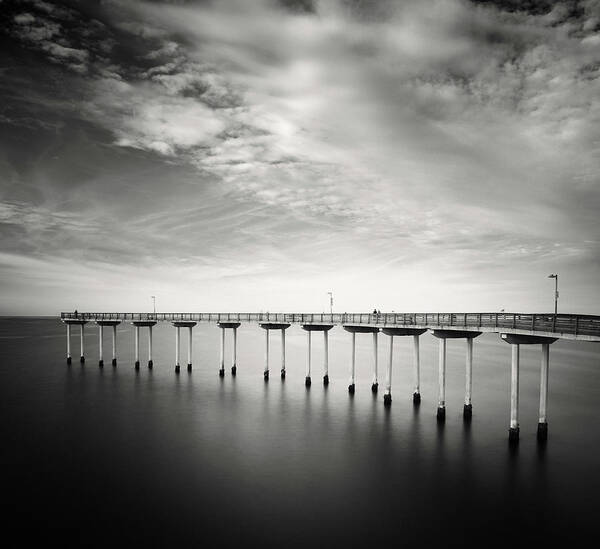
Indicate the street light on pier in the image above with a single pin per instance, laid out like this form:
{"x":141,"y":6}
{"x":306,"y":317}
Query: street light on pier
{"x":153,"y":304}
{"x":330,"y":294}
{"x":555,"y":277}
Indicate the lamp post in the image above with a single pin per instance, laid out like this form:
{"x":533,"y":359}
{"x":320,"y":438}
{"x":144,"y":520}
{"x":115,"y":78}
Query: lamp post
{"x":330,"y":302}
{"x":153,"y":304}
{"x":555,"y":277}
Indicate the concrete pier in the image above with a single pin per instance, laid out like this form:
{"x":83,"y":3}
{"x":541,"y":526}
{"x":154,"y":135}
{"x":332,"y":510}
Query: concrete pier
{"x":468,"y":407}
{"x":317,"y":328}
{"x":82,"y":352}
{"x":137,"y":347}
{"x":416,"y":370}
{"x":375,"y":382}
{"x":307,"y":380}
{"x":387,"y":395}
{"x":515,"y":340}
{"x":542,"y":431}
{"x":442,"y":335}
{"x":441,"y":411}
{"x":513,"y":431}
{"x":222,"y":354}
{"x":326,"y":357}
{"x":357,"y":329}
{"x":224,"y":326}
{"x":100,"y":346}
{"x":80,"y":323}
{"x":68,"y":343}
{"x":143,"y":324}
{"x":274,"y":326}
{"x":114,"y":345}
{"x":282,"y":370}
{"x":189,"y":325}
{"x":415,"y":333}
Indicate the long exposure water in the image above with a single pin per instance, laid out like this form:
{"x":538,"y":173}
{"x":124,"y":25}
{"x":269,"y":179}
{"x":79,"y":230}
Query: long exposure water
{"x":103,"y":456}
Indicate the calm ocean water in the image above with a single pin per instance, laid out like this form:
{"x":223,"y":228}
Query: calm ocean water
{"x":103,"y":456}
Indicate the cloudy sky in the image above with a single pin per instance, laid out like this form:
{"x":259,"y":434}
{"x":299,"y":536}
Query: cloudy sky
{"x":256,"y":154}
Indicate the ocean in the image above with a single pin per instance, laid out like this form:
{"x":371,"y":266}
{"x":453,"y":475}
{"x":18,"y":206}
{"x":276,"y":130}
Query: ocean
{"x":100,"y":456}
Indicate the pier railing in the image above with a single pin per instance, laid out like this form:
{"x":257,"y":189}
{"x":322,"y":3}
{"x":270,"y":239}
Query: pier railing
{"x":560,"y":324}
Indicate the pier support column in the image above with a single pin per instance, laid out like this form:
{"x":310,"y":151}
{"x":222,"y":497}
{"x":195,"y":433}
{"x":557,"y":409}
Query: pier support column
{"x":69,"y":344}
{"x":375,"y":383}
{"x":267,"y":326}
{"x":307,"y":379}
{"x":468,"y":407}
{"x":234,"y":353}
{"x":416,"y":370}
{"x":114,"y":345}
{"x":513,"y":432}
{"x":351,"y":386}
{"x":542,"y":430}
{"x":222,"y":354}
{"x":82,"y":355}
{"x":387,"y":395}
{"x":150,"y":361}
{"x":283,"y":353}
{"x":137,"y":347}
{"x":441,"y":411}
{"x":266,"y":372}
{"x":189,"y":364}
{"x":177,"y":340}
{"x":515,"y":340}
{"x":100,"y":345}
{"x":325,"y":357}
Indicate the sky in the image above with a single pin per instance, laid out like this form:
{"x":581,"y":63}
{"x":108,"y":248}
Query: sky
{"x":241,"y":155}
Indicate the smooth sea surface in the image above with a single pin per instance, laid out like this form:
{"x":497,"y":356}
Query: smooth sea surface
{"x":103,"y":457}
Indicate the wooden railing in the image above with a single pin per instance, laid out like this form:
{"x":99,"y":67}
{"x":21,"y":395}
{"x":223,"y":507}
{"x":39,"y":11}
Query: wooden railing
{"x":584,"y":325}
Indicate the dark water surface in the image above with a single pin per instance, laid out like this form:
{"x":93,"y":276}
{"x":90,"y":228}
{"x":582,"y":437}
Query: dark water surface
{"x":112,"y":456}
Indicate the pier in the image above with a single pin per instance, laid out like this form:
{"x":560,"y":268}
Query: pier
{"x":515,"y":329}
